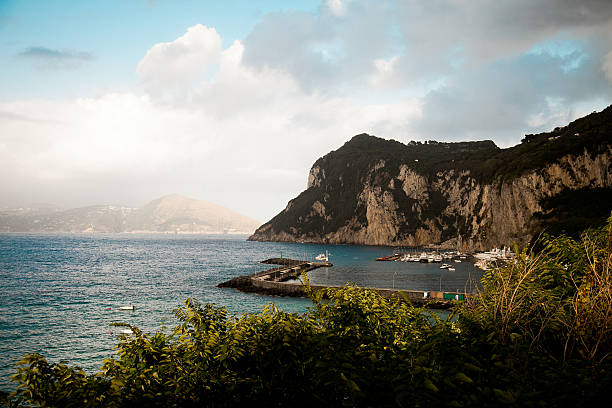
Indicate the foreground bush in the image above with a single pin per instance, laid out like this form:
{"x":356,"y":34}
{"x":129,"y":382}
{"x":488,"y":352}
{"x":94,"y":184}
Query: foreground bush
{"x":539,"y":334}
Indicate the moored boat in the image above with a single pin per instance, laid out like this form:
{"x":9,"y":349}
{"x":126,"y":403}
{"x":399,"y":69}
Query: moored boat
{"x":324,"y":257}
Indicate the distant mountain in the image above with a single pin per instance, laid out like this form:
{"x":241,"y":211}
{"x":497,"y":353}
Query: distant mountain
{"x":172,"y":213}
{"x":178,"y":213}
{"x":471,"y":195}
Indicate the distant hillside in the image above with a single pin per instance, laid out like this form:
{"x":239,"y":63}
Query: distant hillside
{"x":472,"y":195}
{"x":167,"y":214}
{"x":177,"y":213}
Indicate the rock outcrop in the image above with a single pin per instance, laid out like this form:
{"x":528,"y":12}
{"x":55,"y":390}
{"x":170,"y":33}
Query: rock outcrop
{"x":470,"y":196}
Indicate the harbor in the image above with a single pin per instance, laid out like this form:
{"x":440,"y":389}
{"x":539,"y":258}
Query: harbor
{"x":284,"y":280}
{"x":483,"y":260}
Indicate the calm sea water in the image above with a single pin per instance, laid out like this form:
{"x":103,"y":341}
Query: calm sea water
{"x":59,"y":293}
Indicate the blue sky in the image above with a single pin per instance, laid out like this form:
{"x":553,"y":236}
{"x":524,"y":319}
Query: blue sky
{"x":121,"y":102}
{"x":116,"y":33}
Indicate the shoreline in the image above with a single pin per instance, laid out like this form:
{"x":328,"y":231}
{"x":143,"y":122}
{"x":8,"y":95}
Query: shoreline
{"x":275,"y":282}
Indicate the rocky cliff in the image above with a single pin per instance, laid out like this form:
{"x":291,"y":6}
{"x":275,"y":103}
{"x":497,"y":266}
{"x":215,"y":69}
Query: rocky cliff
{"x":469,"y":195}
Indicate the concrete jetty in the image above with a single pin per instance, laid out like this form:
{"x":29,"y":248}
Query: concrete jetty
{"x":273,"y":282}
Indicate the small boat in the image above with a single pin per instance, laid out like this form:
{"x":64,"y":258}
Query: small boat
{"x":445,"y":266}
{"x":458,"y":260}
{"x":126,"y":331}
{"x":128,"y":307}
{"x":451,"y":269}
{"x":323,"y":257}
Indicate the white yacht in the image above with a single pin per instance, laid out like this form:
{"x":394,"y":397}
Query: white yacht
{"x":323,"y":257}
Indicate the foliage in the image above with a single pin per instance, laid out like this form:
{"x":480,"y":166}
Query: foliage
{"x":553,"y":309}
{"x":557,"y":299}
{"x":539,"y":333}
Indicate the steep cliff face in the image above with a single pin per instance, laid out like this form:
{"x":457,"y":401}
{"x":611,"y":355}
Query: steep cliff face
{"x":469,"y":195}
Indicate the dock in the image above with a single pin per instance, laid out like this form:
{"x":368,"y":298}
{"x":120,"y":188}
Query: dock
{"x":290,"y":268}
{"x":274,"y":282}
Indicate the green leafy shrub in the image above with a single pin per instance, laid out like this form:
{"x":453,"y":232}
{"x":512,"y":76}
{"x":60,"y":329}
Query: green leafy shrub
{"x":538,"y":334}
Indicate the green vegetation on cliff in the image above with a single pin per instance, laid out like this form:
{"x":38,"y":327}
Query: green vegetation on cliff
{"x":539,"y":334}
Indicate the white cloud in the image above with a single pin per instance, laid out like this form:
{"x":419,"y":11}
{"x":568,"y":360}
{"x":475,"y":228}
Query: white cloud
{"x":384,"y":72}
{"x":172,"y":66}
{"x":337,"y":7}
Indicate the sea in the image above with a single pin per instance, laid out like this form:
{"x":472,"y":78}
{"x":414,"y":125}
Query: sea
{"x":60,"y":292}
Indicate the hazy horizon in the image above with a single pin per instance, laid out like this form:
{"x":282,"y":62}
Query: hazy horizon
{"x":119,"y":103}
{"x":35,"y":205}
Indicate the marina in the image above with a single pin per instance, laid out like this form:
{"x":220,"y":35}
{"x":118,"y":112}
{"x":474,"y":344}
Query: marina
{"x":285,"y":281}
{"x":485,"y":260}
{"x":482,"y":260}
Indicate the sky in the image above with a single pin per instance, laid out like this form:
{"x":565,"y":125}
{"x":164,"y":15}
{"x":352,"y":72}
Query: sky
{"x":121,"y":102}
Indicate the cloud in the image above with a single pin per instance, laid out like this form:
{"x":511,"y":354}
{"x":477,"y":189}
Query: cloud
{"x":47,"y":58}
{"x":385,"y":70}
{"x":127,"y":149}
{"x":508,"y":98}
{"x":169,"y":67}
{"x":323,"y":50}
{"x":489,"y":30}
{"x":339,"y":43}
{"x":337,"y":7}
{"x":607,"y":66}
{"x":9,"y":116}
{"x":481,"y":69}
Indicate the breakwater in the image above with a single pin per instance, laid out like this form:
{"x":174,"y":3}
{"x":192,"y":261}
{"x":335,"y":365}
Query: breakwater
{"x":274,"y":282}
